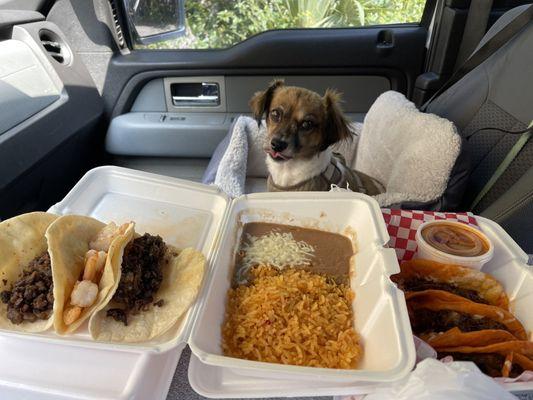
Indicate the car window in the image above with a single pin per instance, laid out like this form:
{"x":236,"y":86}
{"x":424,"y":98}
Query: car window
{"x":218,"y":24}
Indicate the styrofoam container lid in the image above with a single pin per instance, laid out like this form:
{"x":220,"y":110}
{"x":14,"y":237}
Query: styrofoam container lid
{"x":380,"y":312}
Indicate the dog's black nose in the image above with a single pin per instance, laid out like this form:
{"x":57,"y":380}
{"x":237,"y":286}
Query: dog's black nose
{"x":278,"y":144}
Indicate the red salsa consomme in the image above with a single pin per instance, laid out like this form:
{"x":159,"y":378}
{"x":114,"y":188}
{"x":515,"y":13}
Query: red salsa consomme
{"x":455,"y":239}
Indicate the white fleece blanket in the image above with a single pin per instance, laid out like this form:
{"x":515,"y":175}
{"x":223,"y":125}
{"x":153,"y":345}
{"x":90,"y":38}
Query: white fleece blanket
{"x":410,"y":152}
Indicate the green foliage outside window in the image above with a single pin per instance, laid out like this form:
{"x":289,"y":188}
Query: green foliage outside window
{"x":214,"y":24}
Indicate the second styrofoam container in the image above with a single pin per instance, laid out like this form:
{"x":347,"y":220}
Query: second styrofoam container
{"x":380,"y":313}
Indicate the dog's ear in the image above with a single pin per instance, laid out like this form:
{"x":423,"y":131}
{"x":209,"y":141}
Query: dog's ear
{"x":337,"y":126}
{"x":260,"y":102}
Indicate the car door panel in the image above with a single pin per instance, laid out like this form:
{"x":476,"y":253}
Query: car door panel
{"x":47,"y":143}
{"x":157,"y":127}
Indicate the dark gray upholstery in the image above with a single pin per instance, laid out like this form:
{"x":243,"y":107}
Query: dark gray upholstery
{"x":498,"y":93}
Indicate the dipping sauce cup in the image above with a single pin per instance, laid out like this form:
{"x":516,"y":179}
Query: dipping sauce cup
{"x":453,"y":243}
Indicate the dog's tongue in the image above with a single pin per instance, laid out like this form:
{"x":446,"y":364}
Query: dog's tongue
{"x":276,"y":154}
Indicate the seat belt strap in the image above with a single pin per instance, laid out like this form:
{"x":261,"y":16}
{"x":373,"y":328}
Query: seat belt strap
{"x":475,"y":28}
{"x":509,"y":158}
{"x":486,"y":50}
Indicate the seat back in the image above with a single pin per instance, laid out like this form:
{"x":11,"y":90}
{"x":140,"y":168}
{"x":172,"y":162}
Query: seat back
{"x":498,"y":93}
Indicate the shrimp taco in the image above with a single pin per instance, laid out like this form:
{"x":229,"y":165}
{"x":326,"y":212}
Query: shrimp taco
{"x":418,"y":275}
{"x":82,"y":250}
{"x":27,"y":299}
{"x":435,"y":311}
{"x":155,"y":285}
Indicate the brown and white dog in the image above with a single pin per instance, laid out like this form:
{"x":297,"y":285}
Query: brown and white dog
{"x":301,"y":127}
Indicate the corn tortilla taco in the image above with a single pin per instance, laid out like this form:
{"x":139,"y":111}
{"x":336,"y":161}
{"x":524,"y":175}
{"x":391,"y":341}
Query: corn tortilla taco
{"x":418,"y":275}
{"x":156,"y":285}
{"x":26,"y":273}
{"x":507,"y":359}
{"x":81,"y":250}
{"x":434,"y":311}
{"x":455,"y":337}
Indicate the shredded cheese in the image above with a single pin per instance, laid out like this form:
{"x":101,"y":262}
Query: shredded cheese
{"x":278,"y":250}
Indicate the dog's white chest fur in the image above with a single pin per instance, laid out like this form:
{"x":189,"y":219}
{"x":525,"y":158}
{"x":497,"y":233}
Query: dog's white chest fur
{"x":293,"y":172}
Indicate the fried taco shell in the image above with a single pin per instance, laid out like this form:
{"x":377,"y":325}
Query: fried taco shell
{"x":498,"y":359}
{"x":455,"y":337}
{"x":22,"y":240}
{"x":69,"y":239}
{"x":182,"y":273}
{"x":438,"y":311}
{"x":418,"y":275}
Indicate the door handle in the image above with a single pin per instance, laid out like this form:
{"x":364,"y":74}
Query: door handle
{"x":202,"y":100}
{"x":385,"y":42}
{"x":197,"y":94}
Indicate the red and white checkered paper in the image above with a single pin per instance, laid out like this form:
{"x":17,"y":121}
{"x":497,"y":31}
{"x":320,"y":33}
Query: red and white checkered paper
{"x":402,"y":226}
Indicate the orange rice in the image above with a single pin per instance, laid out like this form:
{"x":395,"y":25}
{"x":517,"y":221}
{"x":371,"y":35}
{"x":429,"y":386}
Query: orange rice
{"x":291,"y":317}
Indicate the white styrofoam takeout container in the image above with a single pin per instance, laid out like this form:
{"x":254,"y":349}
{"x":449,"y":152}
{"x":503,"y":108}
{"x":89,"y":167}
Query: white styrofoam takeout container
{"x":508,"y":265}
{"x":47,"y":366}
{"x":379,"y":307}
{"x":190,"y":214}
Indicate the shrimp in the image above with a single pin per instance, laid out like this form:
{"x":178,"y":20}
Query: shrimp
{"x":94,"y":265}
{"x":84,"y":294}
{"x":105,"y":237}
{"x":71,"y":314}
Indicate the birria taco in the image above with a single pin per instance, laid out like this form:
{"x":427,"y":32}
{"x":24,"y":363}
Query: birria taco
{"x":27,"y":301}
{"x":507,"y":359}
{"x":418,"y":275}
{"x":435,"y":311}
{"x":155,"y":284}
{"x":84,"y":271}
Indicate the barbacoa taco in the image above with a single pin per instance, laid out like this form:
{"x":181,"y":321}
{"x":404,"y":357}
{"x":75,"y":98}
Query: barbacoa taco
{"x":455,"y":337}
{"x":507,"y":359}
{"x":435,"y":311}
{"x":418,"y":275}
{"x":156,"y":283}
{"x":81,"y":250}
{"x":27,"y":300}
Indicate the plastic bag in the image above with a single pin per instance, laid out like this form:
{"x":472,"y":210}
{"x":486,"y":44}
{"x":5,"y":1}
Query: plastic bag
{"x":434,"y":380}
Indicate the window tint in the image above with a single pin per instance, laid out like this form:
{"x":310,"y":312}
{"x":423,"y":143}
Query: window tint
{"x":217,"y":24}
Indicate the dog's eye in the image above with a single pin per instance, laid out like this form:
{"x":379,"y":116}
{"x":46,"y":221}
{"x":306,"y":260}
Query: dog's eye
{"x":275,"y":115}
{"x":307,"y":125}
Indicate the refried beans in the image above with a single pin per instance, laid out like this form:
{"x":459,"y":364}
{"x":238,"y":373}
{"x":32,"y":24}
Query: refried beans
{"x":331,"y":251}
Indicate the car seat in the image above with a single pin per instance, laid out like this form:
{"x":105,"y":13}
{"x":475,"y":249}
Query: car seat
{"x":498,"y":93}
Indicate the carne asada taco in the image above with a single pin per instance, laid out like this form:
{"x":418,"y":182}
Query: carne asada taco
{"x":507,"y":359}
{"x":156,"y":284}
{"x":27,"y":301}
{"x":417,"y":275}
{"x":82,"y":249}
{"x":434,"y":311}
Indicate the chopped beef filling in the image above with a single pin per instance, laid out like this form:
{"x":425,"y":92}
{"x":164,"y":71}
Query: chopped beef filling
{"x":490,"y":364}
{"x":440,"y":321}
{"x":118,"y":314}
{"x":140,"y":278}
{"x":419,"y":284}
{"x":516,"y":370}
{"x":31,"y":296}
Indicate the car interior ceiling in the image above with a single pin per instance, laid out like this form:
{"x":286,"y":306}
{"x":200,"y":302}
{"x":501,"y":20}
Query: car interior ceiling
{"x":48,"y":141}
